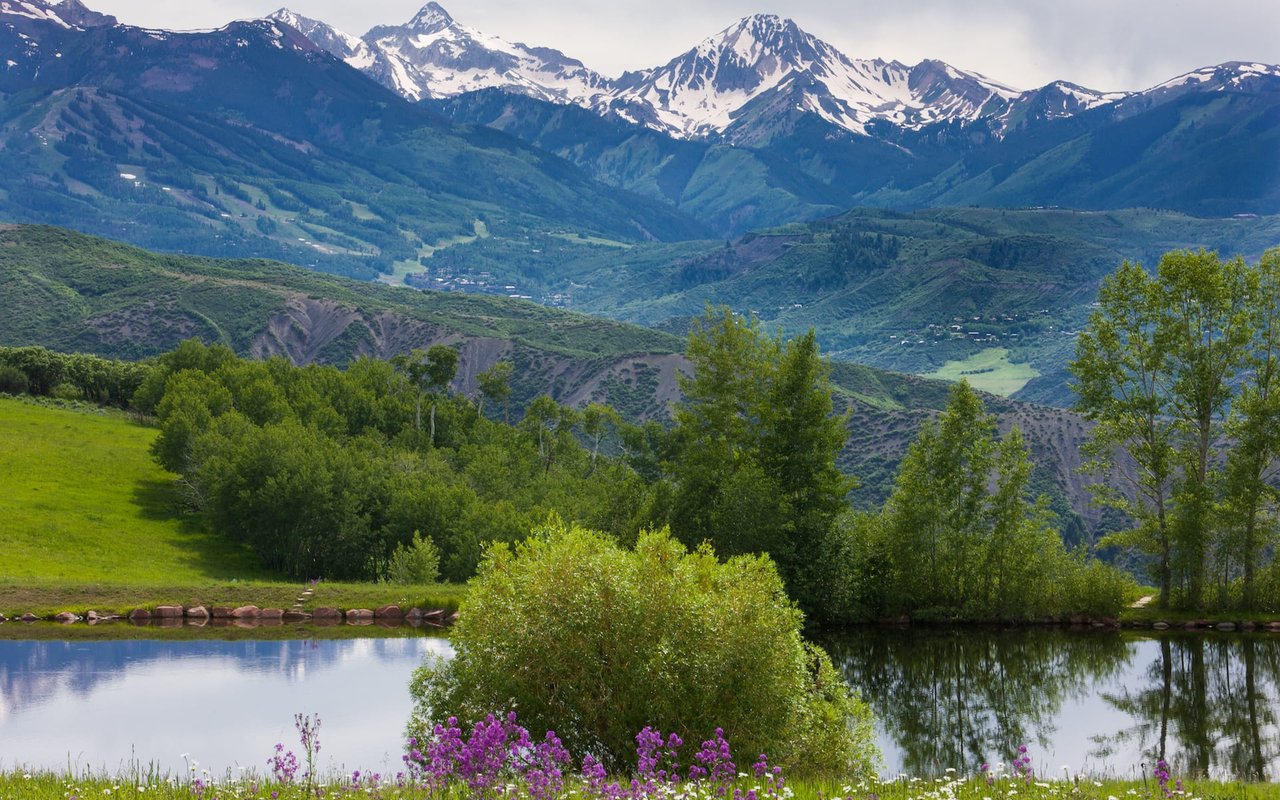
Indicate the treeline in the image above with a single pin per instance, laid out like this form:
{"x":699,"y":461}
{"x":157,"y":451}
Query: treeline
{"x":327,"y":472}
{"x":963,"y":537}
{"x":362,"y":472}
{"x":81,"y":376}
{"x":750,"y":466}
{"x":1180,"y":372}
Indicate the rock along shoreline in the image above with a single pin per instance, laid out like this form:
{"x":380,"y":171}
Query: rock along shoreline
{"x":250,"y":616}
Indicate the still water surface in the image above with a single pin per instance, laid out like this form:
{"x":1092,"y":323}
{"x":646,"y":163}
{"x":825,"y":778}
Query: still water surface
{"x":1094,"y":702}
{"x":107,"y":704}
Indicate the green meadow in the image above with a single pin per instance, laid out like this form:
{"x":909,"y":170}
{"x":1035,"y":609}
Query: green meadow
{"x":988,"y":370}
{"x":86,"y":503}
{"x":88,"y":520}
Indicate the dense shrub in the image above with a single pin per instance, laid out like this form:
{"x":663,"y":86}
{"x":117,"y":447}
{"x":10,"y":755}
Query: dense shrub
{"x":596,"y":642}
{"x":12,"y":380}
{"x":415,"y":562}
{"x":325,"y":472}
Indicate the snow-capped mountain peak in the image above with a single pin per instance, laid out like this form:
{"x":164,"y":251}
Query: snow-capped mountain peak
{"x":1232,"y":74}
{"x":759,"y":36}
{"x":432,"y":55}
{"x":430,"y":18}
{"x":763,"y":64}
{"x":744,"y":83}
{"x":342,"y":45}
{"x":768,"y":64}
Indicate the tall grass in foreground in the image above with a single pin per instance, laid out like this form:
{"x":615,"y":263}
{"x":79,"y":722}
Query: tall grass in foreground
{"x":499,"y":760}
{"x":148,"y":785}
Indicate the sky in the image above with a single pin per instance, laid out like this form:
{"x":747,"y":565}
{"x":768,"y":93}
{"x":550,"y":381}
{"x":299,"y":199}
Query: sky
{"x":1109,"y":45}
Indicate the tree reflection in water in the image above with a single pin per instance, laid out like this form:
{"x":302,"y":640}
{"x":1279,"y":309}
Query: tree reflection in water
{"x":1209,"y":707}
{"x":1208,"y":703}
{"x":951,"y":698}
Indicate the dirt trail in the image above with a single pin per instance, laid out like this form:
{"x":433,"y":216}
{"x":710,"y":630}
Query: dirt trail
{"x":1142,"y":602}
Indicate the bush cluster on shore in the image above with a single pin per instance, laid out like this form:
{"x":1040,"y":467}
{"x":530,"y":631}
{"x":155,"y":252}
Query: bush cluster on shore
{"x":596,"y":641}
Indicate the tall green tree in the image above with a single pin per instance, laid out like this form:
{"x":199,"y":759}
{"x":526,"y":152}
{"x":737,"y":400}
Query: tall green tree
{"x":442,"y":365}
{"x":597,"y":420}
{"x":1156,"y":370}
{"x":960,"y":534}
{"x":1249,"y":505}
{"x":495,"y":384}
{"x":1206,"y":318}
{"x":549,"y":426}
{"x":756,"y":439}
{"x":936,"y":516}
{"x":1122,"y":387}
{"x":191,"y":401}
{"x":428,"y":371}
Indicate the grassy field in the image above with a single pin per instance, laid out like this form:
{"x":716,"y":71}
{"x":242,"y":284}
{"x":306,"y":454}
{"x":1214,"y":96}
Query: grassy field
{"x":85,"y":502}
{"x":89,"y":521}
{"x":988,"y":370}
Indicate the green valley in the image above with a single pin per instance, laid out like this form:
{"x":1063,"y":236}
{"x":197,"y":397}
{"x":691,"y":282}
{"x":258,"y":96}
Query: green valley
{"x":907,"y":291}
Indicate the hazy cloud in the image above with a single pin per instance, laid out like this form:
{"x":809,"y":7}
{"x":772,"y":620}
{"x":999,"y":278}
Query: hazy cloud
{"x":1103,"y":44}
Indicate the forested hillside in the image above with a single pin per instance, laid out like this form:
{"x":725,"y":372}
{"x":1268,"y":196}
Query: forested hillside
{"x":993,"y":295}
{"x":71,"y":292}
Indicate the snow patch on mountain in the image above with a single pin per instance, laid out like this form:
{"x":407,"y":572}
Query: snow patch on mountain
{"x":746,"y":78}
{"x":433,"y":56}
{"x":68,"y":14}
{"x":32,"y":10}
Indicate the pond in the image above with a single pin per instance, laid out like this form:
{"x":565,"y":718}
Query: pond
{"x":107,"y":705}
{"x":1096,"y":702}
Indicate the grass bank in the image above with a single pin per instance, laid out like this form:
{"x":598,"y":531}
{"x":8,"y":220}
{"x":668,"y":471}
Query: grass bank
{"x":84,"y":500}
{"x":45,"y":598}
{"x":1148,"y":616}
{"x":287,"y":631}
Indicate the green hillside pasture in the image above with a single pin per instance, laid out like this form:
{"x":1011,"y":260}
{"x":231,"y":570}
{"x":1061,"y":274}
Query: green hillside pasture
{"x":988,"y":370}
{"x":84,"y":502}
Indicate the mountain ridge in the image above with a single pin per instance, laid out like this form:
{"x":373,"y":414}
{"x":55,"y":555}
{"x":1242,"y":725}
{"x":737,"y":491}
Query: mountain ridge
{"x":707,"y":92}
{"x":252,"y":140}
